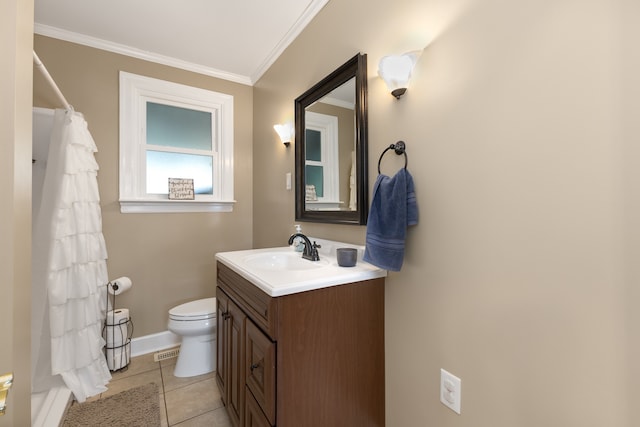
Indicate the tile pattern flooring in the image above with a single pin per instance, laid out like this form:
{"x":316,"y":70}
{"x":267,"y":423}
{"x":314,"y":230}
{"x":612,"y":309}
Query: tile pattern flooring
{"x":184,"y":402}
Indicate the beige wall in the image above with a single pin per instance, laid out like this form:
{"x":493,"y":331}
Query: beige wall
{"x":16,"y":26}
{"x":522,"y":139}
{"x":169,"y":257}
{"x":627,"y":96}
{"x":520,"y":276}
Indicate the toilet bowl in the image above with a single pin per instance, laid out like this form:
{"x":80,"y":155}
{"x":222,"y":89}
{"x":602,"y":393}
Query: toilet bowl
{"x":195,"y":323}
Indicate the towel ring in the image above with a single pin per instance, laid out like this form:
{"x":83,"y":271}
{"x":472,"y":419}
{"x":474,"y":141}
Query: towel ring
{"x":399,"y":148}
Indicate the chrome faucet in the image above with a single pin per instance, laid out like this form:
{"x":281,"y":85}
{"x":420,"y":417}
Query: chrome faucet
{"x":310,"y":251}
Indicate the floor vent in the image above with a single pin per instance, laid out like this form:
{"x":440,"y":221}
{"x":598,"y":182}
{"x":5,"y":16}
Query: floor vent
{"x":167,"y":354}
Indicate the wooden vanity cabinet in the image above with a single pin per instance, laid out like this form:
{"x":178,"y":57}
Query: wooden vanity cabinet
{"x":260,"y":370}
{"x":230,"y":356}
{"x":312,"y":359}
{"x":222,"y":343}
{"x":254,"y":417}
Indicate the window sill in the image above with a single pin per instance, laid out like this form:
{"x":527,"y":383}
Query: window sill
{"x":175,"y":206}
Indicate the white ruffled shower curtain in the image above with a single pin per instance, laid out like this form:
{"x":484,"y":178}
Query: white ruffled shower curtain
{"x":70,"y":254}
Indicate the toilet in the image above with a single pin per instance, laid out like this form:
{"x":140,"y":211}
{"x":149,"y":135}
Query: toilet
{"x":195,"y":323}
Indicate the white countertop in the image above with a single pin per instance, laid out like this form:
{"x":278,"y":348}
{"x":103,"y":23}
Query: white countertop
{"x":277,"y":282}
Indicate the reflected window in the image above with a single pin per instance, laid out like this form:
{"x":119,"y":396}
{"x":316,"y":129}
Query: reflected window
{"x":321,"y":159}
{"x":313,"y":150}
{"x":314,"y":169}
{"x":314,"y":176}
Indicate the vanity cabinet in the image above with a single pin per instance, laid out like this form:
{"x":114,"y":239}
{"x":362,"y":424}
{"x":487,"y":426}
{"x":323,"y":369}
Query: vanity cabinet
{"x":260,"y":358}
{"x":313,"y":358}
{"x":253,"y":414}
{"x":230,"y":363}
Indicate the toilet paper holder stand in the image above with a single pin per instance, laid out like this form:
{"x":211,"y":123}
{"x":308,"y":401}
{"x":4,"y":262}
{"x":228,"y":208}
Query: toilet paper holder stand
{"x":117,"y":334}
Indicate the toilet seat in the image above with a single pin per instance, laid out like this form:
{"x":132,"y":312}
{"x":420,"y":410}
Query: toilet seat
{"x":201,"y":309}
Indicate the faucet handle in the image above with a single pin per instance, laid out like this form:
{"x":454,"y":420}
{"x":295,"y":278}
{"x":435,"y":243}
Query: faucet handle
{"x":314,"y":251}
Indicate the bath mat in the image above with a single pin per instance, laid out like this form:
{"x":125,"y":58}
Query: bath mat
{"x":137,"y":407}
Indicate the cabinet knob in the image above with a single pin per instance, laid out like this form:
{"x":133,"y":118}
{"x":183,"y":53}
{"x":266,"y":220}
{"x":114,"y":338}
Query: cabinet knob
{"x":225,"y":315}
{"x":254,"y":366}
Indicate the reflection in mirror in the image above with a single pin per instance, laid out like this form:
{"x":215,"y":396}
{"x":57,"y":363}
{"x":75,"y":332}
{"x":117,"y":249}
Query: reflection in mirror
{"x":331,"y":147}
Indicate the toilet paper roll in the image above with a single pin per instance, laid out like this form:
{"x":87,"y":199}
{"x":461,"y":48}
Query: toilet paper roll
{"x":118,"y":358}
{"x":117,"y":329}
{"x":120,"y":285}
{"x":116,"y":336}
{"x":117,"y":316}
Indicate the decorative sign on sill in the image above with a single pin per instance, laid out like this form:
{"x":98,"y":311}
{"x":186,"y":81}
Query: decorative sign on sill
{"x":181,"y":189}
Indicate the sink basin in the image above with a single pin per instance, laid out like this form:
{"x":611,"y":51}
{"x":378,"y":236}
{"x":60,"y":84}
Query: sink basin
{"x":283,"y":261}
{"x":280,"y":271}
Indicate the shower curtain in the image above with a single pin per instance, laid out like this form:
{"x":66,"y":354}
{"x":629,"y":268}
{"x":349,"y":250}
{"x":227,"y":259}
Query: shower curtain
{"x":69,"y":255}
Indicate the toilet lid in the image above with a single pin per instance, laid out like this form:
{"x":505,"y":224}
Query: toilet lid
{"x":195,"y":310}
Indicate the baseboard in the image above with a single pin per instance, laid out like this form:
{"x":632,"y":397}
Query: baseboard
{"x":52,"y":407}
{"x":154,"y":342}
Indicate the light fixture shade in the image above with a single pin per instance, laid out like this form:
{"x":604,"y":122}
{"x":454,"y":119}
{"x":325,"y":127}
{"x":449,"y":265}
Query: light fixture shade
{"x":396,"y":71}
{"x":285,"y":131}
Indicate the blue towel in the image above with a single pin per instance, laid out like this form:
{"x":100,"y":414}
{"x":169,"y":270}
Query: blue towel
{"x":393,"y":209}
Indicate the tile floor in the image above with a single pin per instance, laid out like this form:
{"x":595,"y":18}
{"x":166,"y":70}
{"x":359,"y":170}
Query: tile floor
{"x":184,"y":402}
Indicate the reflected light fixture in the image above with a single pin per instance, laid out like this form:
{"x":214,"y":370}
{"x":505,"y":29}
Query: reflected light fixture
{"x":285,"y":131}
{"x":396,"y":71}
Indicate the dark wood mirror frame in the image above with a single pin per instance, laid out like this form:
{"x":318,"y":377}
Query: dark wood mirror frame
{"x":355,"y":67}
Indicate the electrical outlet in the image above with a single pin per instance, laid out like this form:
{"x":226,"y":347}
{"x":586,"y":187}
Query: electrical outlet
{"x":450,"y":390}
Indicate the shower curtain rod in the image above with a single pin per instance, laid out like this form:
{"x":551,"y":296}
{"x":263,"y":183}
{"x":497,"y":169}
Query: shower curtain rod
{"x":50,"y":80}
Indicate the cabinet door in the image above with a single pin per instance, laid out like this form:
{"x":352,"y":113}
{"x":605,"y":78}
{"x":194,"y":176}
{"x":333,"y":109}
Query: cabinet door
{"x":235,"y":386}
{"x":222,"y":342}
{"x":260,"y":370}
{"x":253,"y":416}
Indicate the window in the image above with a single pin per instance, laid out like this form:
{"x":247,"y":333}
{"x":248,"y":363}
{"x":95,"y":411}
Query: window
{"x":169,"y":130}
{"x":321,"y":162}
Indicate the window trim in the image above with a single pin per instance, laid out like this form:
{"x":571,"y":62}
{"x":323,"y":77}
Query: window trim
{"x":135,"y":91}
{"x":327,"y":125}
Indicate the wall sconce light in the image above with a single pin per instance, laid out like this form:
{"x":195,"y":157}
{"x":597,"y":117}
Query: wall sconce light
{"x":285,"y":131}
{"x":396,"y":71}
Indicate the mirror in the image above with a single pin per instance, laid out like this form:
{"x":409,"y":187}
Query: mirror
{"x":331,"y":147}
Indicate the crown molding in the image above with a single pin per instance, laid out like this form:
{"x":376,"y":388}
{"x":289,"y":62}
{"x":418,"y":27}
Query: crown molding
{"x":97,"y":43}
{"x":310,"y":12}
